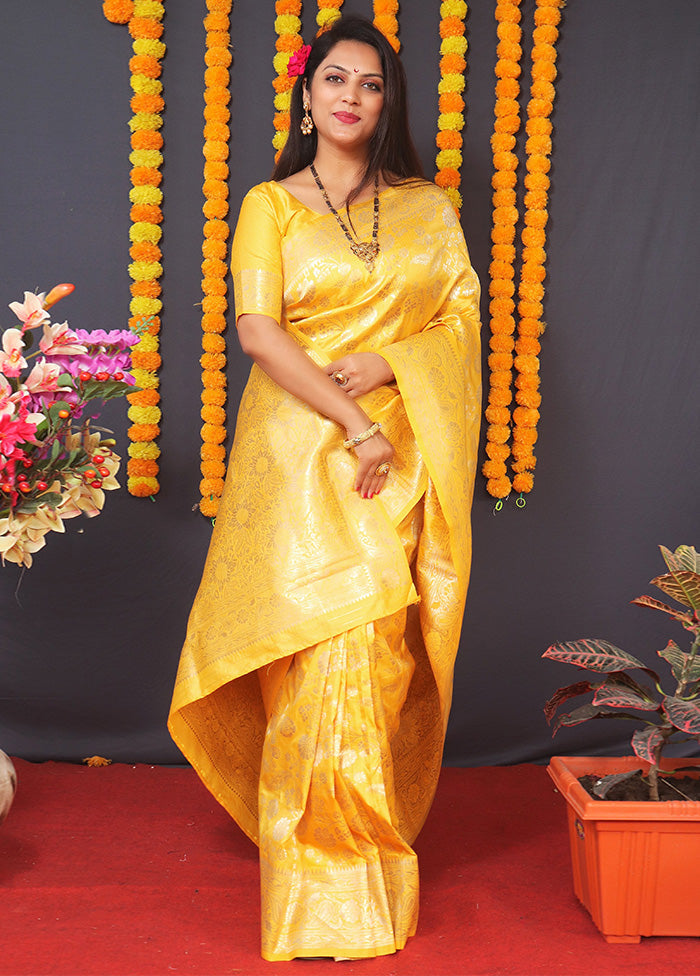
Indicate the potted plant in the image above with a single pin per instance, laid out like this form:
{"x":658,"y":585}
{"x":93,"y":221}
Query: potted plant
{"x":632,"y":858}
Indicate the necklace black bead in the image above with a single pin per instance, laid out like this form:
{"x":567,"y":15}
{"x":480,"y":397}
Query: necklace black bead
{"x":366,"y":251}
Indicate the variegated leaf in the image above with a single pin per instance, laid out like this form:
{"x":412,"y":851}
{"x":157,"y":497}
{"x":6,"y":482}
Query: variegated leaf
{"x":564,"y":694}
{"x":616,"y":695}
{"x":593,"y":654}
{"x":649,"y":601}
{"x":685,"y":557}
{"x":683,"y":586}
{"x":587,"y":712}
{"x":685,"y":715}
{"x":683,"y":666}
{"x":646,"y":741}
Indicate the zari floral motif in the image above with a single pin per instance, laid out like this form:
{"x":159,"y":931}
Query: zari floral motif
{"x":453,"y":48}
{"x":514,"y":434}
{"x":214,"y":267}
{"x":144,"y":19}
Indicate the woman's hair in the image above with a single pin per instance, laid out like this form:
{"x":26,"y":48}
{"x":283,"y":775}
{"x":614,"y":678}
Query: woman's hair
{"x":391,"y":150}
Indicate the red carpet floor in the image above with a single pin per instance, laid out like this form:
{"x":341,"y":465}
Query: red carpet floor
{"x":136,"y":871}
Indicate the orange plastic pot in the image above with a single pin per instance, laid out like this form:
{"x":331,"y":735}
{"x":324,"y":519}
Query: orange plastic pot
{"x":636,"y":866}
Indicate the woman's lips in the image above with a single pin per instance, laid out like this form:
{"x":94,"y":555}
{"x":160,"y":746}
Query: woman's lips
{"x":346,"y":117}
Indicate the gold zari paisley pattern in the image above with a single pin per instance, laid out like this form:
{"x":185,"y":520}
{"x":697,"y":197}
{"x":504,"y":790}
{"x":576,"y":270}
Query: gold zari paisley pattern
{"x":316,"y":678}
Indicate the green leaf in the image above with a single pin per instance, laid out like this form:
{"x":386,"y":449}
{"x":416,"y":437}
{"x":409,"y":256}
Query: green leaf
{"x":682,"y":585}
{"x":65,"y":379}
{"x":593,"y":654}
{"x":55,"y":449}
{"x":52,"y":499}
{"x":685,"y":715}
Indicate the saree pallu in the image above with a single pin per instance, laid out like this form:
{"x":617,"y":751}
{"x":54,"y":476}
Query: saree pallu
{"x":309,"y":586}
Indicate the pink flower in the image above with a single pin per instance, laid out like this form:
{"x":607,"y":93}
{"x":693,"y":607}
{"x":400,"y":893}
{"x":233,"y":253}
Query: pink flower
{"x":11,"y":360}
{"x":60,"y":341}
{"x":297,"y":62}
{"x":31,"y":311}
{"x":42,"y":378}
{"x":17,"y":430}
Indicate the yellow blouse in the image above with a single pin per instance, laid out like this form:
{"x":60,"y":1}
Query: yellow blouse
{"x":296,"y":555}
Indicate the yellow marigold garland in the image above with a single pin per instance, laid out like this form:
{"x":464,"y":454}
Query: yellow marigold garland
{"x":453,"y":48}
{"x":214,"y":267}
{"x":144,"y":19}
{"x":328,"y":13}
{"x":386,"y":20}
{"x":521,"y":425}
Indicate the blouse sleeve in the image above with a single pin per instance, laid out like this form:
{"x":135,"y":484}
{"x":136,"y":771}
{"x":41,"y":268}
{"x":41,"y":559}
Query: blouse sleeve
{"x":256,"y":257}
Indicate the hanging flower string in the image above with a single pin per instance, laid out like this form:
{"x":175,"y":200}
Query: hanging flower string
{"x":328,"y":13}
{"x":144,"y":19}
{"x":531,"y":287}
{"x":386,"y":20}
{"x":453,"y":48}
{"x":501,"y":270}
{"x":289,"y":40}
{"x":214,"y":268}
{"x":521,"y":426}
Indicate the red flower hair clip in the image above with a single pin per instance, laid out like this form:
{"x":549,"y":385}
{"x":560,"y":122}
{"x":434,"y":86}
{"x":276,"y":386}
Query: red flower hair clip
{"x":297,"y":62}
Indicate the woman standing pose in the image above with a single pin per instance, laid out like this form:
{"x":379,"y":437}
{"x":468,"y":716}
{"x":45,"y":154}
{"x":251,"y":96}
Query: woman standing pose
{"x":315,"y":682}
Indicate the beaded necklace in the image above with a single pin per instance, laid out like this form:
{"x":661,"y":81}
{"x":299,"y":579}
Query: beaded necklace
{"x":366,"y":251}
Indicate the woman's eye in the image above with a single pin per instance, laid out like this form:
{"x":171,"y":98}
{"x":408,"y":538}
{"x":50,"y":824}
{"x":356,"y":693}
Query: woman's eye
{"x":334,"y":78}
{"x":373,"y":86}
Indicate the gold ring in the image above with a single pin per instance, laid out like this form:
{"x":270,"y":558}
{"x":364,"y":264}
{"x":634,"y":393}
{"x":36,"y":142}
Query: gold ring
{"x":339,"y":378}
{"x":383,"y":469}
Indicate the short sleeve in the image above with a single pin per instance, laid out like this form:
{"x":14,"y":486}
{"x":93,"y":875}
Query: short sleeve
{"x":256,"y":257}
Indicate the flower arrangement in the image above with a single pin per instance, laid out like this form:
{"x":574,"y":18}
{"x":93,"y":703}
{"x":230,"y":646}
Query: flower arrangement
{"x":214,"y":268}
{"x":52,"y":466}
{"x":453,"y":48}
{"x":144,"y":19}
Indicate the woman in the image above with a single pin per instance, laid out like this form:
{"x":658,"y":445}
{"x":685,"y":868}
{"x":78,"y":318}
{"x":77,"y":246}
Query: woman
{"x":315,"y":682}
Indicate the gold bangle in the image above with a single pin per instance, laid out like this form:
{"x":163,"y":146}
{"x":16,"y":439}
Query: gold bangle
{"x":364,"y":436}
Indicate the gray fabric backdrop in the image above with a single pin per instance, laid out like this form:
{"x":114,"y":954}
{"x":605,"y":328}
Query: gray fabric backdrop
{"x":90,"y":643}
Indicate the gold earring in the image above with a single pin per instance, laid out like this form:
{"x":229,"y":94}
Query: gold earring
{"x":307,"y":123}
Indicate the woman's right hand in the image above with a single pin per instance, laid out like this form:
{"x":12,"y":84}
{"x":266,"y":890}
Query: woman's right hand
{"x":376,"y":450}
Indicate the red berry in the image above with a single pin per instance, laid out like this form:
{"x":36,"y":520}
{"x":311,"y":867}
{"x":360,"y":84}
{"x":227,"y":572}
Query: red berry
{"x":64,"y":414}
{"x":97,"y":458}
{"x":22,"y":477}
{"x":6,"y":487}
{"x":104,"y":472}
{"x":24,"y":487}
{"x":26,"y":463}
{"x":41,"y":485}
{"x":90,"y":473}
{"x":85,"y":376}
{"x":119,"y":376}
{"x":102,"y":377}
{"x":96,"y":484}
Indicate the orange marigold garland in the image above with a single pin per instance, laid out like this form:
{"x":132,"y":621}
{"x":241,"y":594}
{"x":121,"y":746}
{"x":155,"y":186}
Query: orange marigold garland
{"x":144,"y":19}
{"x":501,"y":271}
{"x":453,"y":48}
{"x":538,"y":149}
{"x":521,"y":426}
{"x":214,"y":268}
{"x":288,"y":30}
{"x":386,"y":20}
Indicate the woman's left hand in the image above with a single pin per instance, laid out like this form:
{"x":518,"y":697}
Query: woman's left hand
{"x":360,"y":372}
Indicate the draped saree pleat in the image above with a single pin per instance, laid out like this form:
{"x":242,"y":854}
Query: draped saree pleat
{"x":316,"y":676}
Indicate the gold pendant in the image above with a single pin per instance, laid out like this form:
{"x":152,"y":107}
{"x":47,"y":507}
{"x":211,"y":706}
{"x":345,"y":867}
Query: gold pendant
{"x":367,"y":252}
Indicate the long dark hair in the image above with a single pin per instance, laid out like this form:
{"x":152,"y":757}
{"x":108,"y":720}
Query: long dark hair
{"x":391,"y":150}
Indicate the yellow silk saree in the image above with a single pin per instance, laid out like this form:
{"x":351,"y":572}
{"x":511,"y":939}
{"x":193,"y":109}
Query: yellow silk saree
{"x":315,"y":681}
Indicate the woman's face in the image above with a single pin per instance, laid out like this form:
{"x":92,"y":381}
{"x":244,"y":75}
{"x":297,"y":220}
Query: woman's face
{"x":347,"y":95}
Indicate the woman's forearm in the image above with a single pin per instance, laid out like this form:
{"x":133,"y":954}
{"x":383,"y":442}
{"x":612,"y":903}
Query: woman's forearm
{"x":287,"y":364}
